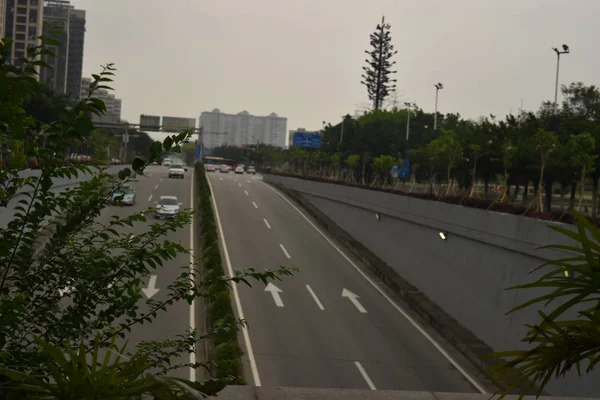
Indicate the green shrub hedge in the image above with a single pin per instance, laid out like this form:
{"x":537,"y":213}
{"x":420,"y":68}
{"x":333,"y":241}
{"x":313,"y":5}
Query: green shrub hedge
{"x":226,"y":352}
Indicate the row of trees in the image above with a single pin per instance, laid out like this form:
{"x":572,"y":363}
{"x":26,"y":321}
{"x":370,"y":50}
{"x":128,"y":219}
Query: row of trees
{"x":100,"y":145}
{"x":553,"y":151}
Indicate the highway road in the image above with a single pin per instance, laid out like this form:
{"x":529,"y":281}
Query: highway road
{"x":330,"y":325}
{"x":177,"y":319}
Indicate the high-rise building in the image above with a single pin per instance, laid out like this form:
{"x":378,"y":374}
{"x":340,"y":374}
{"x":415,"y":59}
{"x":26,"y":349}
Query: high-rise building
{"x":242,"y":129}
{"x":56,"y":27}
{"x":22,"y":23}
{"x":84,"y":87}
{"x":2,"y":17}
{"x":113,"y":105}
{"x":75,"y":61}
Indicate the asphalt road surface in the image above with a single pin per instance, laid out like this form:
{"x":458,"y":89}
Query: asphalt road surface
{"x":176,"y":320}
{"x":330,"y":325}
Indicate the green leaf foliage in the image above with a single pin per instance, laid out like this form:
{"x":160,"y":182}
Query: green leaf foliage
{"x":568,"y":336}
{"x":69,"y":279}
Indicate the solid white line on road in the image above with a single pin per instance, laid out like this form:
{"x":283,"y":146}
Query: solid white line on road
{"x":255,"y":205}
{"x":239,"y":184}
{"x":156,"y":186}
{"x":316,"y":299}
{"x":192,"y":273}
{"x":150,"y":199}
{"x":365,"y":376}
{"x":285,"y":252}
{"x":220,"y":179}
{"x":414,"y":323}
{"x":245,"y":191}
{"x":161,"y":179}
{"x":267,"y":223}
{"x":236,"y":295}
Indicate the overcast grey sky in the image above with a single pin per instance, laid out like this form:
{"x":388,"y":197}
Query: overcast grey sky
{"x":302,"y":59}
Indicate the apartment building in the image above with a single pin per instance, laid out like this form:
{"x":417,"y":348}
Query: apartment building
{"x":113,"y":104}
{"x":22,"y":21}
{"x":242,"y":129}
{"x":56,"y":26}
{"x":2,"y":17}
{"x":75,"y":57}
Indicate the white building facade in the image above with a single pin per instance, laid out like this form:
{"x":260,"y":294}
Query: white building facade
{"x":242,"y":129}
{"x":113,"y":105}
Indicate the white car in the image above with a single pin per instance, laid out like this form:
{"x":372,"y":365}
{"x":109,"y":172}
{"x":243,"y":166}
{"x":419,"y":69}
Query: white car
{"x":239,"y":169}
{"x":224,"y":168}
{"x":251,"y":170}
{"x":176,"y":171}
{"x":211,"y":168}
{"x":167,"y":207}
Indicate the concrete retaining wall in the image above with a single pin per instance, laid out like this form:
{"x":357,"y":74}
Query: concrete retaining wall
{"x":466,"y":275}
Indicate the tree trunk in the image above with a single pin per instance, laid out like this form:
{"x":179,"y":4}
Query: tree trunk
{"x":581,"y":188}
{"x":449,"y":180}
{"x":486,"y":186}
{"x":549,"y":193}
{"x":563,"y":189}
{"x":474,"y":180}
{"x":595,"y":195}
{"x":538,"y":195}
{"x":572,"y":197}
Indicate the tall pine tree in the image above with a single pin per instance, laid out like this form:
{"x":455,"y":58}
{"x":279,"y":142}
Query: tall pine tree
{"x":377,"y":72}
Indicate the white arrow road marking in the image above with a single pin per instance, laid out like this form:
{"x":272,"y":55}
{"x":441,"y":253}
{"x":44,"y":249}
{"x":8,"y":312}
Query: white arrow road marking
{"x":151,"y":290}
{"x":249,"y":181}
{"x":275,"y":292}
{"x":316,"y":299}
{"x":255,"y":205}
{"x":285,"y":252}
{"x":267,"y":223}
{"x":354,"y":300}
{"x":245,"y":191}
{"x":365,"y":376}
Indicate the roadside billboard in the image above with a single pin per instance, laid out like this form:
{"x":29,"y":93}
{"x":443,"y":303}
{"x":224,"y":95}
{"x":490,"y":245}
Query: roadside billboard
{"x":176,"y":124}
{"x":149,"y":123}
{"x":307,"y":139}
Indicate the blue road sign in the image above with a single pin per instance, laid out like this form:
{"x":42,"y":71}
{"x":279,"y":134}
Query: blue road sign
{"x":312,"y":140}
{"x":394,"y":171}
{"x":405,"y":170}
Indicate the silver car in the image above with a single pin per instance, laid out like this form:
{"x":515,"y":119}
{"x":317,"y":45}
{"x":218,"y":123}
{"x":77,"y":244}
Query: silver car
{"x":167,"y":207}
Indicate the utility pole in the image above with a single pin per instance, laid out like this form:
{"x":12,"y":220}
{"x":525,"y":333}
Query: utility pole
{"x":408,"y":111}
{"x":565,"y":50}
{"x":438,"y":86}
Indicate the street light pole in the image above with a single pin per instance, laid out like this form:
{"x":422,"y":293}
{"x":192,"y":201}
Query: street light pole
{"x":438,"y":86}
{"x":565,"y":50}
{"x":408,"y":109}
{"x":342,"y":128}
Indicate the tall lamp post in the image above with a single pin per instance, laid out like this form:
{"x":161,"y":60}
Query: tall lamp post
{"x":565,"y":50}
{"x":438,"y":86}
{"x":342,"y":129}
{"x":408,"y":110}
